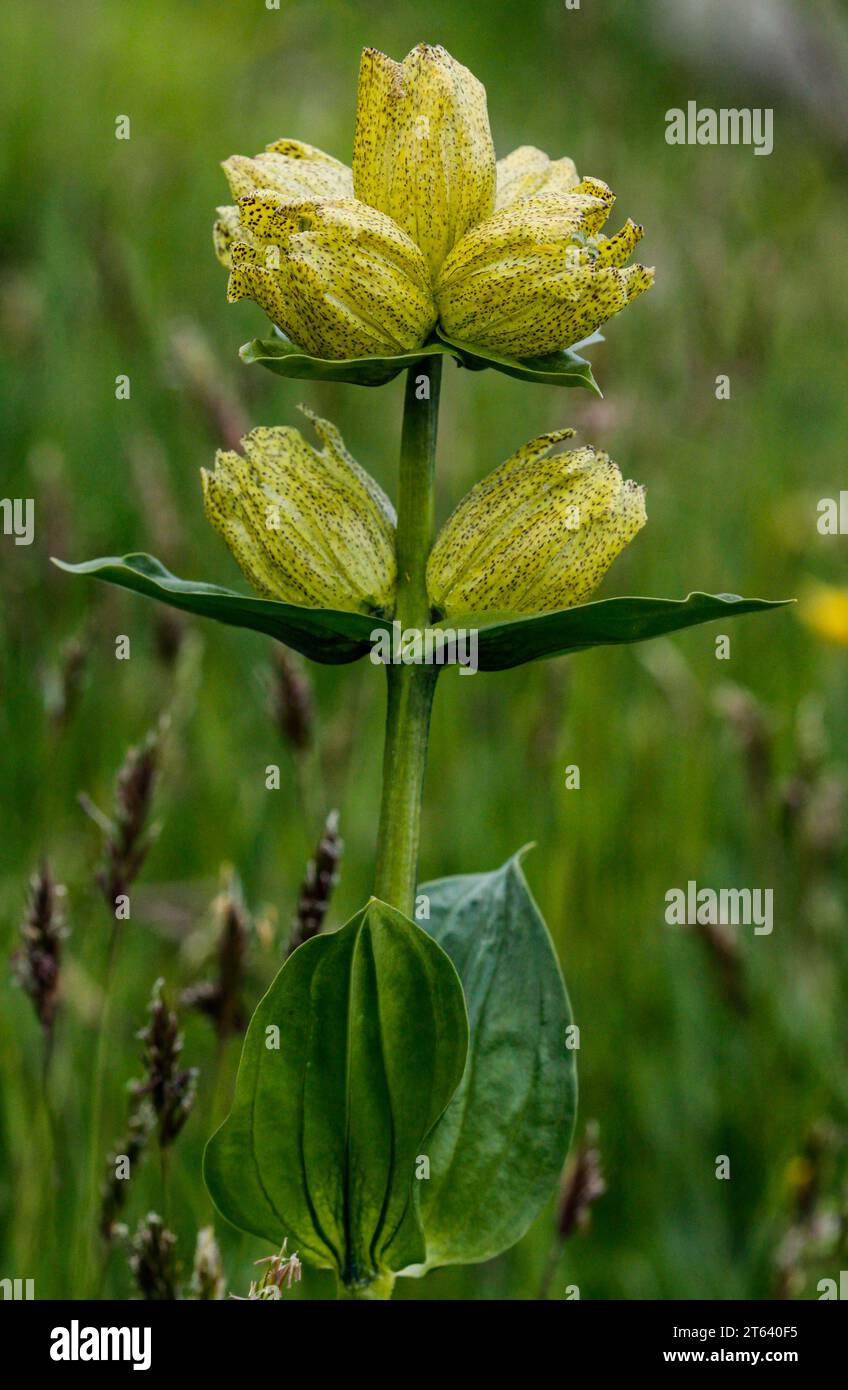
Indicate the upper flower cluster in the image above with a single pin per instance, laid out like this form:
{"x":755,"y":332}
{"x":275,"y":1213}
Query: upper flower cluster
{"x":426,"y":228}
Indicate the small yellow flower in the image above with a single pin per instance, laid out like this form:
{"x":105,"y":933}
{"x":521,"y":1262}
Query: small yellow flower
{"x":305,"y":526}
{"x":426,"y":226}
{"x":538,"y":275}
{"x":537,"y":535}
{"x":824,"y":610}
{"x":423,"y":151}
{"x":339,"y":278}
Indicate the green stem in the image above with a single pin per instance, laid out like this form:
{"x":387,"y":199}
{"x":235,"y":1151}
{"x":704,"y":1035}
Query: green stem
{"x":410,"y":688}
{"x":381,"y":1287}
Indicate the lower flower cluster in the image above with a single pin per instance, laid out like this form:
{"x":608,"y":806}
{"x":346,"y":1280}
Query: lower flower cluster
{"x":312,"y":528}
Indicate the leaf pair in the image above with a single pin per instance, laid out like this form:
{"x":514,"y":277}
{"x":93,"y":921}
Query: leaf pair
{"x":565,"y":368}
{"x":337,"y":637}
{"x":367,"y":1127}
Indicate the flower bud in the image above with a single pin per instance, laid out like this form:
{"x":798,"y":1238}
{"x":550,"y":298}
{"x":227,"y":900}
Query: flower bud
{"x":423,"y":151}
{"x":340,"y":279}
{"x":305,"y":526}
{"x":538,"y":276}
{"x":537,"y":535}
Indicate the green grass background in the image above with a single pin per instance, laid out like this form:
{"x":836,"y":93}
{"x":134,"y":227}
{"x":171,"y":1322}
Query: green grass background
{"x":106,"y":267}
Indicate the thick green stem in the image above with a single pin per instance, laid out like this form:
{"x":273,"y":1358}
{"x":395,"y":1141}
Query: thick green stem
{"x":410,"y":688}
{"x":381,"y":1287}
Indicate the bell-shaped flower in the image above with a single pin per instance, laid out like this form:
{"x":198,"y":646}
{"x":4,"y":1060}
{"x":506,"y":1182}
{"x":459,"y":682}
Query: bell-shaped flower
{"x":423,"y":151}
{"x":537,"y":276}
{"x":306,"y":526}
{"x":339,"y":278}
{"x":537,"y":535}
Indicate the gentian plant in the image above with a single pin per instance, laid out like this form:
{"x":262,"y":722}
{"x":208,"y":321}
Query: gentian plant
{"x":406,"y":1094}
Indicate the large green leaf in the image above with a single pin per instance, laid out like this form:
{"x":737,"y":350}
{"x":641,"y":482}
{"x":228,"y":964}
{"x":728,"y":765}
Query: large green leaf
{"x":497,"y":1152}
{"x":337,"y":637}
{"x":322,"y":634}
{"x":609,"y":622}
{"x":325,"y":1130}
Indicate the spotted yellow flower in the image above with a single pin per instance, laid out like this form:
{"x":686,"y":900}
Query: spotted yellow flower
{"x":339,"y":278}
{"x":539,"y":275}
{"x":507,"y":256}
{"x":537,"y":535}
{"x":824,"y":610}
{"x":306,"y":526}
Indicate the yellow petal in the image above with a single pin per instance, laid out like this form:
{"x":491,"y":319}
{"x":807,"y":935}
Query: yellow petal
{"x":339,"y":278}
{"x":301,"y":173}
{"x":296,"y":172}
{"x":527,"y":172}
{"x":537,"y":535}
{"x":616,"y":250}
{"x":225,"y":232}
{"x":423,"y":150}
{"x":536,"y":277}
{"x":305,"y":526}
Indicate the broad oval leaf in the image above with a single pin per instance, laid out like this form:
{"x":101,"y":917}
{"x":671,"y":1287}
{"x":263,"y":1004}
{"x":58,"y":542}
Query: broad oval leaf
{"x":498,"y":1150}
{"x":506,"y":642}
{"x":285,"y":359}
{"x":322,"y":634}
{"x":371,"y":1036}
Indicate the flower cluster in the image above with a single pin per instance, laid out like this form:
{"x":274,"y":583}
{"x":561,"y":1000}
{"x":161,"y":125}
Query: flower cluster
{"x":426,"y":229}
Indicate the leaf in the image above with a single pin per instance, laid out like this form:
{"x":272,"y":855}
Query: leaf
{"x":609,"y":622}
{"x":279,"y":355}
{"x":337,"y":637}
{"x":324,"y":1133}
{"x":565,"y":368}
{"x":322,"y":634}
{"x":498,"y":1150}
{"x":285,"y":359}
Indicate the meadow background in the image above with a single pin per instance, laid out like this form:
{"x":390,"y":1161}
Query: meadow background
{"x":731,"y":772}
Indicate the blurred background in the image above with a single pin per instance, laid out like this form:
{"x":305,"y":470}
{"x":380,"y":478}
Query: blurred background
{"x":695,"y":1044}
